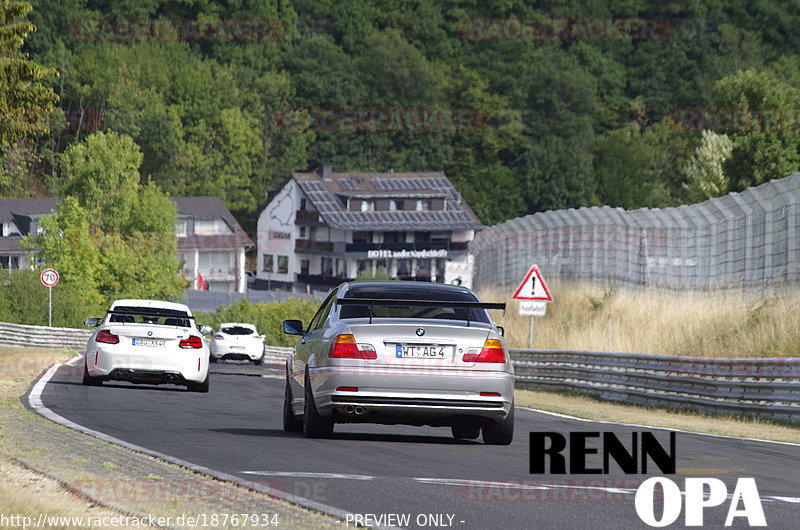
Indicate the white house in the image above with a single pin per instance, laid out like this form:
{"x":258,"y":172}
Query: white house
{"x":320,"y":229}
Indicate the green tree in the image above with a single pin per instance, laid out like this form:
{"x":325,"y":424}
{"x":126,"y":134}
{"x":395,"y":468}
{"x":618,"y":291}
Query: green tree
{"x":704,"y":172}
{"x":766,"y":142}
{"x":26,"y":105}
{"x":111,"y":237}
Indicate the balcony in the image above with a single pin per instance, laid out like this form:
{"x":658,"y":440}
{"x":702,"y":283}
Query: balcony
{"x":306,"y":245}
{"x":307,"y":217}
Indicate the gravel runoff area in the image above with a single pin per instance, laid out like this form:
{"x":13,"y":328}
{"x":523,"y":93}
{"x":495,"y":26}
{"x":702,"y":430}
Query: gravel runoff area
{"x":135,"y":484}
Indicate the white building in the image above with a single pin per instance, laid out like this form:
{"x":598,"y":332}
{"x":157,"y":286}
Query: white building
{"x":320,"y":229}
{"x":210,"y":241}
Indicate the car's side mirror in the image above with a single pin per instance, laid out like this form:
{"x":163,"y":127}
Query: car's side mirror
{"x":206,"y":330}
{"x":501,"y":330}
{"x":91,"y":322}
{"x":293,"y":327}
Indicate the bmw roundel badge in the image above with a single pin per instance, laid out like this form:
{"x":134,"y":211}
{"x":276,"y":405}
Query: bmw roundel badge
{"x":149,"y":333}
{"x":420,"y":332}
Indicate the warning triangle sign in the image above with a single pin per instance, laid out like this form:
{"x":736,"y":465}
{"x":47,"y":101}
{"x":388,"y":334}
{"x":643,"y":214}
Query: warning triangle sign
{"x":533,"y":287}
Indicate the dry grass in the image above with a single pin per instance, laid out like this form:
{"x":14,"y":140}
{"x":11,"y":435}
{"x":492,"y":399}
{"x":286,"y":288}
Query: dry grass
{"x":586,"y":407}
{"x":708,"y":324}
{"x":24,"y":492}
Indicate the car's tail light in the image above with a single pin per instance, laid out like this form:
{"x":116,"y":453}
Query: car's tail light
{"x":345,"y":347}
{"x":107,"y":337}
{"x":492,"y":352}
{"x":192,"y":342}
{"x":219,"y":336}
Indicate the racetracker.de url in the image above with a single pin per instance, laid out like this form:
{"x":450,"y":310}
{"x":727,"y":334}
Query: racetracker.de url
{"x":201,"y":520}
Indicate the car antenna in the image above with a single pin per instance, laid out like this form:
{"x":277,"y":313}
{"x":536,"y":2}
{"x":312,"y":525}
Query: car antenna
{"x":371,"y":309}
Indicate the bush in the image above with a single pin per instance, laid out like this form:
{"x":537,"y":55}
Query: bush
{"x":24,"y":301}
{"x":268,"y":317}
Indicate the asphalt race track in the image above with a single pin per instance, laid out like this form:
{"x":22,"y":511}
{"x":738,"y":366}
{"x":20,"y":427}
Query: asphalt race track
{"x":416,"y":472}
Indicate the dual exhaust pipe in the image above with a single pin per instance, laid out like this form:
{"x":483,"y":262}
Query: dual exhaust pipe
{"x":358,"y":410}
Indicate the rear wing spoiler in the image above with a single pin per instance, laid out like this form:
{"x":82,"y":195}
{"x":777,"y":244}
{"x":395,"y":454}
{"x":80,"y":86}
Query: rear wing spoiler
{"x":372,"y":302}
{"x":151,"y":312}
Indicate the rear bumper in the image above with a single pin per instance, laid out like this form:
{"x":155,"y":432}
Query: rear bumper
{"x":232,"y":353}
{"x":444,"y":397}
{"x":118,"y":364}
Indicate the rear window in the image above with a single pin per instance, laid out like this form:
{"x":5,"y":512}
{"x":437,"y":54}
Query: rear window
{"x":149,"y":315}
{"x":390,"y":292}
{"x":238,"y":330}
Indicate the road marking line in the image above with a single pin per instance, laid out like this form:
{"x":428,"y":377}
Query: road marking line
{"x":308,"y":474}
{"x":36,"y":403}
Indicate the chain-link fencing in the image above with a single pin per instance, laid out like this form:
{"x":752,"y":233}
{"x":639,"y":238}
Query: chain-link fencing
{"x":747,"y":239}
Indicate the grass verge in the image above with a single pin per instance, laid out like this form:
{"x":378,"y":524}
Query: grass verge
{"x":694,"y":323}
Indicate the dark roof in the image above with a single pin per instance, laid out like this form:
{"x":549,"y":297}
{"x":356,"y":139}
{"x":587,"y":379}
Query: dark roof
{"x":210,"y":207}
{"x":26,"y":207}
{"x":329,"y":198}
{"x":198,"y":207}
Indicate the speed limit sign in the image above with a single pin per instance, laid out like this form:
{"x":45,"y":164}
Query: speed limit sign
{"x":50,"y":277}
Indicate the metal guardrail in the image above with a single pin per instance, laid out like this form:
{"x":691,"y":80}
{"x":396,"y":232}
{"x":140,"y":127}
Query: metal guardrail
{"x":763,"y":388}
{"x":22,"y":335}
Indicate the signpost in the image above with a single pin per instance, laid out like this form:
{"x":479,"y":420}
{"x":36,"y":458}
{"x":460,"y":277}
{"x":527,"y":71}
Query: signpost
{"x":49,"y":278}
{"x":533,"y":297}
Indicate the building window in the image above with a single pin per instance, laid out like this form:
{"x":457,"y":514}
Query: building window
{"x":268,"y":263}
{"x":327,"y":266}
{"x":404,"y":267}
{"x":362,"y":237}
{"x":4,"y":261}
{"x":302,"y":232}
{"x":367,"y":206}
{"x":283,"y":264}
{"x":394,"y":237}
{"x":395,"y":204}
{"x":341,"y":268}
{"x":423,"y":205}
{"x":304,"y":267}
{"x":303,"y":203}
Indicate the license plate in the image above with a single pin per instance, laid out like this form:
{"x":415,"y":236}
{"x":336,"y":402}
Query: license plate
{"x":152,"y":343}
{"x":421,"y":351}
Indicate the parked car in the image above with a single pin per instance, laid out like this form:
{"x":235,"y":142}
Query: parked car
{"x":401,"y":353}
{"x":147,"y":341}
{"x":237,"y":341}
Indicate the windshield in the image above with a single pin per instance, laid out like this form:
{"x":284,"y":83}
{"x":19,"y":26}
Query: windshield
{"x":238,"y":330}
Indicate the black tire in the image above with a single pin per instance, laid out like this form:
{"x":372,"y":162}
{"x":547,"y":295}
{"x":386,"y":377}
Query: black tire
{"x":290,"y":421}
{"x":465,"y":432}
{"x":88,"y":380}
{"x":212,"y":359}
{"x":500,"y":433}
{"x":198,"y":387}
{"x":314,"y":425}
{"x":258,"y":361}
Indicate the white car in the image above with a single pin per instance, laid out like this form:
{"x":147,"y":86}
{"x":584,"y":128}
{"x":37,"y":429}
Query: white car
{"x":147,"y":341}
{"x":237,"y":341}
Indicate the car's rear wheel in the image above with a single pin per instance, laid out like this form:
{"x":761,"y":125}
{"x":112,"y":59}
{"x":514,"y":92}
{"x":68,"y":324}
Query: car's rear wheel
{"x":500,"y":433}
{"x":314,"y":425}
{"x":88,"y":380}
{"x":290,"y":421}
{"x":212,"y":359}
{"x":258,"y":361}
{"x":198,"y":387}
{"x":465,"y":432}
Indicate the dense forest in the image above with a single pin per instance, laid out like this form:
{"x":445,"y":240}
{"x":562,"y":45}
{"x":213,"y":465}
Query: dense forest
{"x":527,"y":106}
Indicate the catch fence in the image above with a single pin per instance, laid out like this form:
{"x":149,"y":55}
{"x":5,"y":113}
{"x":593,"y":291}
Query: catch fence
{"x":747,"y":239}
